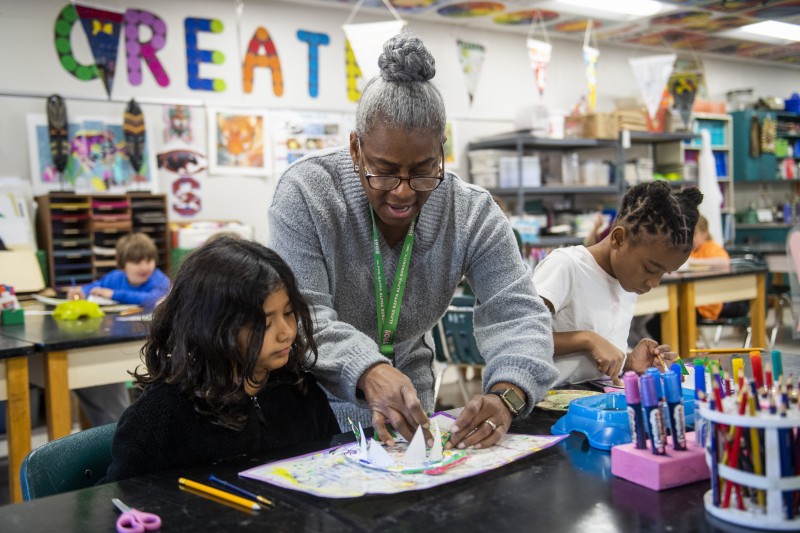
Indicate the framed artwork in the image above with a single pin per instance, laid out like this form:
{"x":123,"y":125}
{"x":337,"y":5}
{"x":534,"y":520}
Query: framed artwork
{"x":97,"y":160}
{"x":450,"y":147}
{"x":238,"y":143}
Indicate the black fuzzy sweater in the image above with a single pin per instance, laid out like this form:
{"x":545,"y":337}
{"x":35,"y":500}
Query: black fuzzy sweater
{"x":162,"y":431}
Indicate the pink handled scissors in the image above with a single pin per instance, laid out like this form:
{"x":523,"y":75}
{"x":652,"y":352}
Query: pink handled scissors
{"x":135,"y":521}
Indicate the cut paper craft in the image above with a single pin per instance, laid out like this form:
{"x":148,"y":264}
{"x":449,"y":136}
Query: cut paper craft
{"x":102,"y":28}
{"x":652,"y":74}
{"x":353,"y":72}
{"x":377,"y":456}
{"x":539,"y":53}
{"x":366,"y":41}
{"x":269,"y":59}
{"x":185,"y":190}
{"x":590,"y":56}
{"x":63,"y":44}
{"x":415,"y":453}
{"x":683,"y":87}
{"x":314,"y":41}
{"x":339,"y":473}
{"x":470,"y":56}
{"x":178,"y":123}
{"x":133,"y":129}
{"x":57,"y":129}
{"x":436,"y":453}
{"x":196,"y":56}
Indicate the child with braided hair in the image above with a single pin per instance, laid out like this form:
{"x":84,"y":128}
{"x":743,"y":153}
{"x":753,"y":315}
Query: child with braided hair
{"x":591,"y":292}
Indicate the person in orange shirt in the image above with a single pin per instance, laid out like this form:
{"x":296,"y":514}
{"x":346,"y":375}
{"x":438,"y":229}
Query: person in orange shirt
{"x":708,"y":250}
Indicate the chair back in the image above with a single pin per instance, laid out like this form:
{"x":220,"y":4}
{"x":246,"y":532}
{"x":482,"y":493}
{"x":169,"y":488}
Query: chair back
{"x":457,"y":329}
{"x":70,"y":463}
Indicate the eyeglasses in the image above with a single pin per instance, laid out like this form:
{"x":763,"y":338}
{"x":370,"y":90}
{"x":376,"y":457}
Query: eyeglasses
{"x":420,"y":183}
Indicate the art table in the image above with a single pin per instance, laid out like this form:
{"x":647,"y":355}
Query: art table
{"x":14,"y":355}
{"x":567,"y":487}
{"x":71,"y":355}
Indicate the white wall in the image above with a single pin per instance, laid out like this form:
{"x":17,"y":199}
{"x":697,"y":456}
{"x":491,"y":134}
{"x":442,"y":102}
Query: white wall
{"x":29,"y":65}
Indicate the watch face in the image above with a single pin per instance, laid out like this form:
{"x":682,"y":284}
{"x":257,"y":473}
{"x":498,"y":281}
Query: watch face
{"x":514,"y":399}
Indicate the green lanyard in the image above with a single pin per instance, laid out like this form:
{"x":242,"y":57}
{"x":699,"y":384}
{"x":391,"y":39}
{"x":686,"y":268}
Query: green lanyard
{"x":387,"y":324}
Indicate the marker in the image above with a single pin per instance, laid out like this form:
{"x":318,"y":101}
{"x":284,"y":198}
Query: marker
{"x":652,"y":414}
{"x":221,"y":494}
{"x":659,"y":383}
{"x":699,"y":379}
{"x":777,"y":363}
{"x":755,"y":363}
{"x":635,"y":417}
{"x":240,"y":490}
{"x":768,"y":376}
{"x":677,"y":418}
{"x":737,"y":364}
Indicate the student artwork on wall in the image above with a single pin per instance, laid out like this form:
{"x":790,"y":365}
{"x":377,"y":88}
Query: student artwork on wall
{"x":182,"y":162}
{"x":296,"y":134}
{"x":450,"y":154}
{"x":238,"y":143}
{"x":97,"y":162}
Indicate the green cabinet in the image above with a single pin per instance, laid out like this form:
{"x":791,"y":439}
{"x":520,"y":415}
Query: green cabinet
{"x":764,"y":167}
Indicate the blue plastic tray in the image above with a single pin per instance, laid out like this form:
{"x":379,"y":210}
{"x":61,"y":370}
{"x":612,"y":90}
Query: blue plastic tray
{"x":604,"y":418}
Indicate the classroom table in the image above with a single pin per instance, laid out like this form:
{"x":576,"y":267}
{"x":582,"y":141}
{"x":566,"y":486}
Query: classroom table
{"x":14,"y":355}
{"x":721,"y":283}
{"x":70,"y":355}
{"x":567,"y":487}
{"x":664,"y":301}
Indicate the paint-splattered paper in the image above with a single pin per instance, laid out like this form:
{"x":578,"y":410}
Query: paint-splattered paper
{"x":328,"y":474}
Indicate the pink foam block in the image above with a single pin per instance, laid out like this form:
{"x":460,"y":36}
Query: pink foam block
{"x":659,"y":472}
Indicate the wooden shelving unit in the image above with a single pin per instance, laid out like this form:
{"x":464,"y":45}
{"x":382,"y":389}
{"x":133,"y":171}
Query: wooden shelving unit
{"x":79,"y":233}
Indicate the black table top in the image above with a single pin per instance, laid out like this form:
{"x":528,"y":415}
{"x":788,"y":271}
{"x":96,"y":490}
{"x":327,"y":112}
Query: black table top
{"x":48,"y":334}
{"x":10,"y":347}
{"x":567,"y":487}
{"x":715,"y":271}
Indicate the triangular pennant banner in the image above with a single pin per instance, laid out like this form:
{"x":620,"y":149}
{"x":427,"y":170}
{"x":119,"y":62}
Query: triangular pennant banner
{"x":367,"y":41}
{"x":102,"y":28}
{"x":539,"y":54}
{"x":652,"y":74}
{"x":683,"y":87}
{"x":471,"y":55}
{"x":590,"y":56}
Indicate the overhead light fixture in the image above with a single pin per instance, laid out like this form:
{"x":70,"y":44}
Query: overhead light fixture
{"x":774,"y":29}
{"x":637,"y":9}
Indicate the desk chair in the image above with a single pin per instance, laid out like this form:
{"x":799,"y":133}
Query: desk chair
{"x":455,"y":343}
{"x":70,"y":463}
{"x":741,"y":256}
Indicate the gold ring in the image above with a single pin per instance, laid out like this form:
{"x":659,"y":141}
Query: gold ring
{"x":491,"y":424}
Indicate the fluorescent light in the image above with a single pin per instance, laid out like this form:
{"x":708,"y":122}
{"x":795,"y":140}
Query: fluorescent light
{"x":773,"y":28}
{"x":639,"y":8}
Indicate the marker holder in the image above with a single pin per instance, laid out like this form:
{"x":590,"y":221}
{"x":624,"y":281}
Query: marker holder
{"x":771,"y":481}
{"x":660,"y":472}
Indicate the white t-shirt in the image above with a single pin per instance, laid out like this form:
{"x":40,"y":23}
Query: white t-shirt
{"x":585,"y":298}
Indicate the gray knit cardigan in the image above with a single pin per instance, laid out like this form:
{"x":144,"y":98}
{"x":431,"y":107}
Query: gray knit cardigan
{"x":320,"y":224}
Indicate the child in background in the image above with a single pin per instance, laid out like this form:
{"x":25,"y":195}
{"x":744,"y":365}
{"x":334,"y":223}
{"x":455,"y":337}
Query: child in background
{"x":706,"y":250}
{"x":136,"y":279}
{"x":591,"y":292}
{"x":226,"y":368}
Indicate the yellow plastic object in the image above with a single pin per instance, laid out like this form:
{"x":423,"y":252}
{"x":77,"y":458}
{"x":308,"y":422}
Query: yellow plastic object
{"x":77,"y":309}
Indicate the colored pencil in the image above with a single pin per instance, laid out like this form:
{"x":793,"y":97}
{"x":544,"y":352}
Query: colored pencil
{"x":221,"y":494}
{"x":240,"y":490}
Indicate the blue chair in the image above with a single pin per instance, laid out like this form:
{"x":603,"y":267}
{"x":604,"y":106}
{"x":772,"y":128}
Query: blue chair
{"x":73,"y":462}
{"x":455,"y":343}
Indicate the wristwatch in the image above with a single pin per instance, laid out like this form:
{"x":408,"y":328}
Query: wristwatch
{"x":512,"y":400}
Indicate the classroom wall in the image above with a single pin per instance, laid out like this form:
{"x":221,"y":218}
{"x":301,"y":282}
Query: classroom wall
{"x":30,"y":65}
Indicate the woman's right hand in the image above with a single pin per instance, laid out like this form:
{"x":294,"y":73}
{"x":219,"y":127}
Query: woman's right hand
{"x":608,"y":357}
{"x":392,"y":398}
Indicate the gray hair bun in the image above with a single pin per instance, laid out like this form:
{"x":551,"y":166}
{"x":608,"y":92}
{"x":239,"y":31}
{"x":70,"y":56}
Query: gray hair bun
{"x":405,"y":58}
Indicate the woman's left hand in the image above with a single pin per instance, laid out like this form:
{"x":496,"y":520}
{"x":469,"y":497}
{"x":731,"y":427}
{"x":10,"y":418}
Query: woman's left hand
{"x":483,"y":421}
{"x":649,"y":353}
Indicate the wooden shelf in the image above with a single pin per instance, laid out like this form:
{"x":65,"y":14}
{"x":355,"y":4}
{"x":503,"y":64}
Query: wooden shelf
{"x":69,"y":224}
